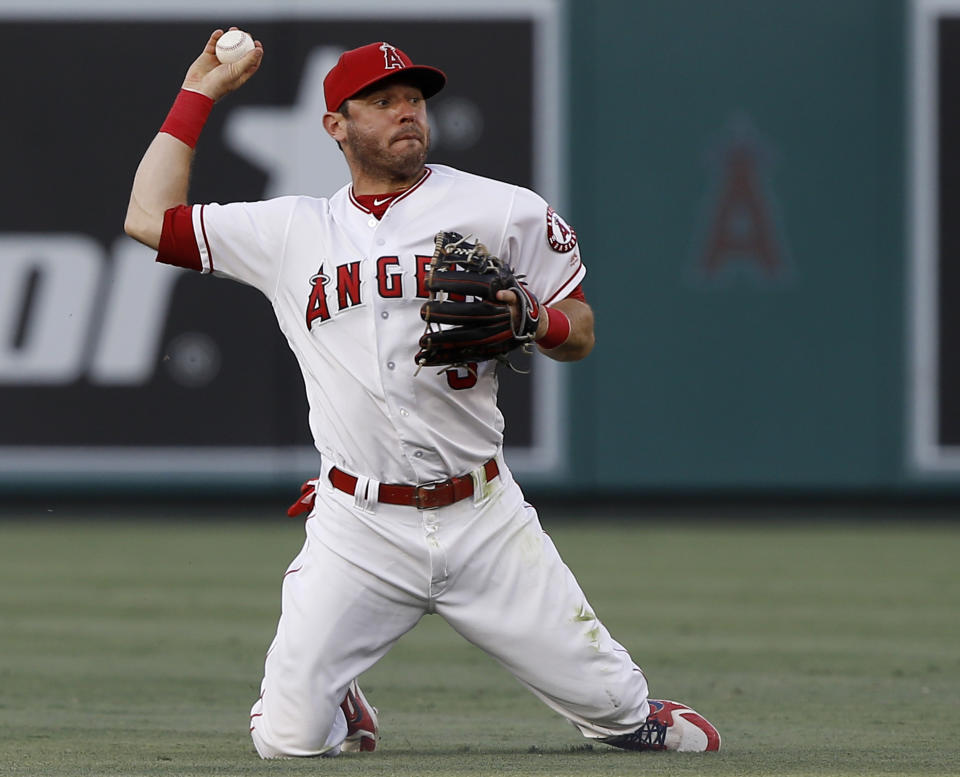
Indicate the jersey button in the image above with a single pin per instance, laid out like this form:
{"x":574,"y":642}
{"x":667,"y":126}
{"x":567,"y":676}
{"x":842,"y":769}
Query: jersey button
{"x":380,"y":241}
{"x":418,"y":454}
{"x":404,"y":412}
{"x":384,"y":314}
{"x":372,"y":222}
{"x":390,"y":365}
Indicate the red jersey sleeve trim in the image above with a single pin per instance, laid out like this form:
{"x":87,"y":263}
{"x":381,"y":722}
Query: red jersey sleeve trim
{"x":573,"y":283}
{"x":178,"y":242}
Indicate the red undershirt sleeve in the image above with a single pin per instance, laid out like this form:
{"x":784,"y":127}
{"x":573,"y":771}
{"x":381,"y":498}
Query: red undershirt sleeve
{"x":178,"y":242}
{"x":577,"y":293}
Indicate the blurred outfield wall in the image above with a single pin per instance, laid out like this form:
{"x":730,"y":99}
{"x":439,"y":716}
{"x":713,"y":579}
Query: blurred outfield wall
{"x":755,"y":186}
{"x":744,"y":175}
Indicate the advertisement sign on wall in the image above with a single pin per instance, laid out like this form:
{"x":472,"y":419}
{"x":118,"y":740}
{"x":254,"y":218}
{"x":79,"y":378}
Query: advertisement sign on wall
{"x":115,"y":367}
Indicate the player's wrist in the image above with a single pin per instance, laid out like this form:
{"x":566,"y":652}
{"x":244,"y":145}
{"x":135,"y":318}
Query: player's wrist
{"x":558,"y":329}
{"x":187,"y":116}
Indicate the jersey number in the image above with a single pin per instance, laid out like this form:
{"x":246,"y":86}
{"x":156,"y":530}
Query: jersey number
{"x":460,"y":378}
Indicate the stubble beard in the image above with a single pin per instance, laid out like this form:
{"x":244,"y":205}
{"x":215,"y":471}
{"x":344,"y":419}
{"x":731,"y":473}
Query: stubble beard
{"x":378,"y":161}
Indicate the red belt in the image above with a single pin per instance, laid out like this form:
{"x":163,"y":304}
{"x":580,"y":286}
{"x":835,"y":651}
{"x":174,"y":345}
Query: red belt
{"x":425,"y":497}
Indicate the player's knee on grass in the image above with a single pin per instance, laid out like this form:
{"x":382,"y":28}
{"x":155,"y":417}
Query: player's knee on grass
{"x":297,"y":741}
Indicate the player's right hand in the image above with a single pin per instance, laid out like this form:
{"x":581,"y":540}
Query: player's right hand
{"x":209,"y":76}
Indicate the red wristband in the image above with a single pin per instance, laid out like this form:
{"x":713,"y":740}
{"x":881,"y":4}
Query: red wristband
{"x":558,"y":329}
{"x":187,"y":116}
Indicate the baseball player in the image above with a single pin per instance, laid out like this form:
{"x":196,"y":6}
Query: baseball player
{"x":414,"y":510}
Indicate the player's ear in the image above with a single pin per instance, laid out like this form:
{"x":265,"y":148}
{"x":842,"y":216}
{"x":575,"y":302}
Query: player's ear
{"x":336,"y":125}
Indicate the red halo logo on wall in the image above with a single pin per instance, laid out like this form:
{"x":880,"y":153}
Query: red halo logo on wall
{"x":560,"y":235}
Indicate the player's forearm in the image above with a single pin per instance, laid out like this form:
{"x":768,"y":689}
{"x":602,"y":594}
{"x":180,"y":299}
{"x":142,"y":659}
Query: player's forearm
{"x":163,"y":177}
{"x":161,"y":183}
{"x":580,"y":341}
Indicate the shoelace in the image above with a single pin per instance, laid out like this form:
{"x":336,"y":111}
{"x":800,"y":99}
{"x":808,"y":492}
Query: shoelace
{"x":650,"y":736}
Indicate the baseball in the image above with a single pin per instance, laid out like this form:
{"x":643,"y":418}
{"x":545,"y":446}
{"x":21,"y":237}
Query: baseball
{"x":233,"y":45}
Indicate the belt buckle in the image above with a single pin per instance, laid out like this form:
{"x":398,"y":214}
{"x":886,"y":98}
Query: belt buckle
{"x":428,"y":495}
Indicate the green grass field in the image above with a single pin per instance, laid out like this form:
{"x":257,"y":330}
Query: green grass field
{"x":135,"y":648}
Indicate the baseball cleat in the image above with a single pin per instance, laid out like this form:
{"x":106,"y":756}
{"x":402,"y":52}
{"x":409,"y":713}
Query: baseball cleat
{"x":362,"y":731}
{"x":670,"y":726}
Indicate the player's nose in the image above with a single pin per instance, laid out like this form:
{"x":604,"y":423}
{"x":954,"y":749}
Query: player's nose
{"x":407,"y":113}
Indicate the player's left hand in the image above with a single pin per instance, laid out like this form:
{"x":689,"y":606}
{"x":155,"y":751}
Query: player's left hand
{"x":511,"y":299}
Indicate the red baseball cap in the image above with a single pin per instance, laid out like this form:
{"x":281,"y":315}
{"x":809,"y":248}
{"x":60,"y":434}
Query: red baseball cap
{"x":359,"y":68}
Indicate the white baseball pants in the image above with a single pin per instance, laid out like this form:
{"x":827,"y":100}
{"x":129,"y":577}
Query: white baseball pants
{"x":366,"y":575}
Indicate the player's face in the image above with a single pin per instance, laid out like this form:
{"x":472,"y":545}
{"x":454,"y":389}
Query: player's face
{"x":387,"y":131}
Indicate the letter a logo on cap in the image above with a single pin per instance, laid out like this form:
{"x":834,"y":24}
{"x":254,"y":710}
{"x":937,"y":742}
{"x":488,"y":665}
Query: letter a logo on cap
{"x":391,"y":59}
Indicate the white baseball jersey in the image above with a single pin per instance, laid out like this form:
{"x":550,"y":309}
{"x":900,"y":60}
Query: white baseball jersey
{"x":347,"y":288}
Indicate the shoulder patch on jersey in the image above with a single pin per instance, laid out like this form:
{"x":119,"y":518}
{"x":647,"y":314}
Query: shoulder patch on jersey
{"x":560,"y":235}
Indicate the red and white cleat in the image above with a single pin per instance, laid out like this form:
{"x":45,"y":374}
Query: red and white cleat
{"x":362,"y":731}
{"x":670,"y":726}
